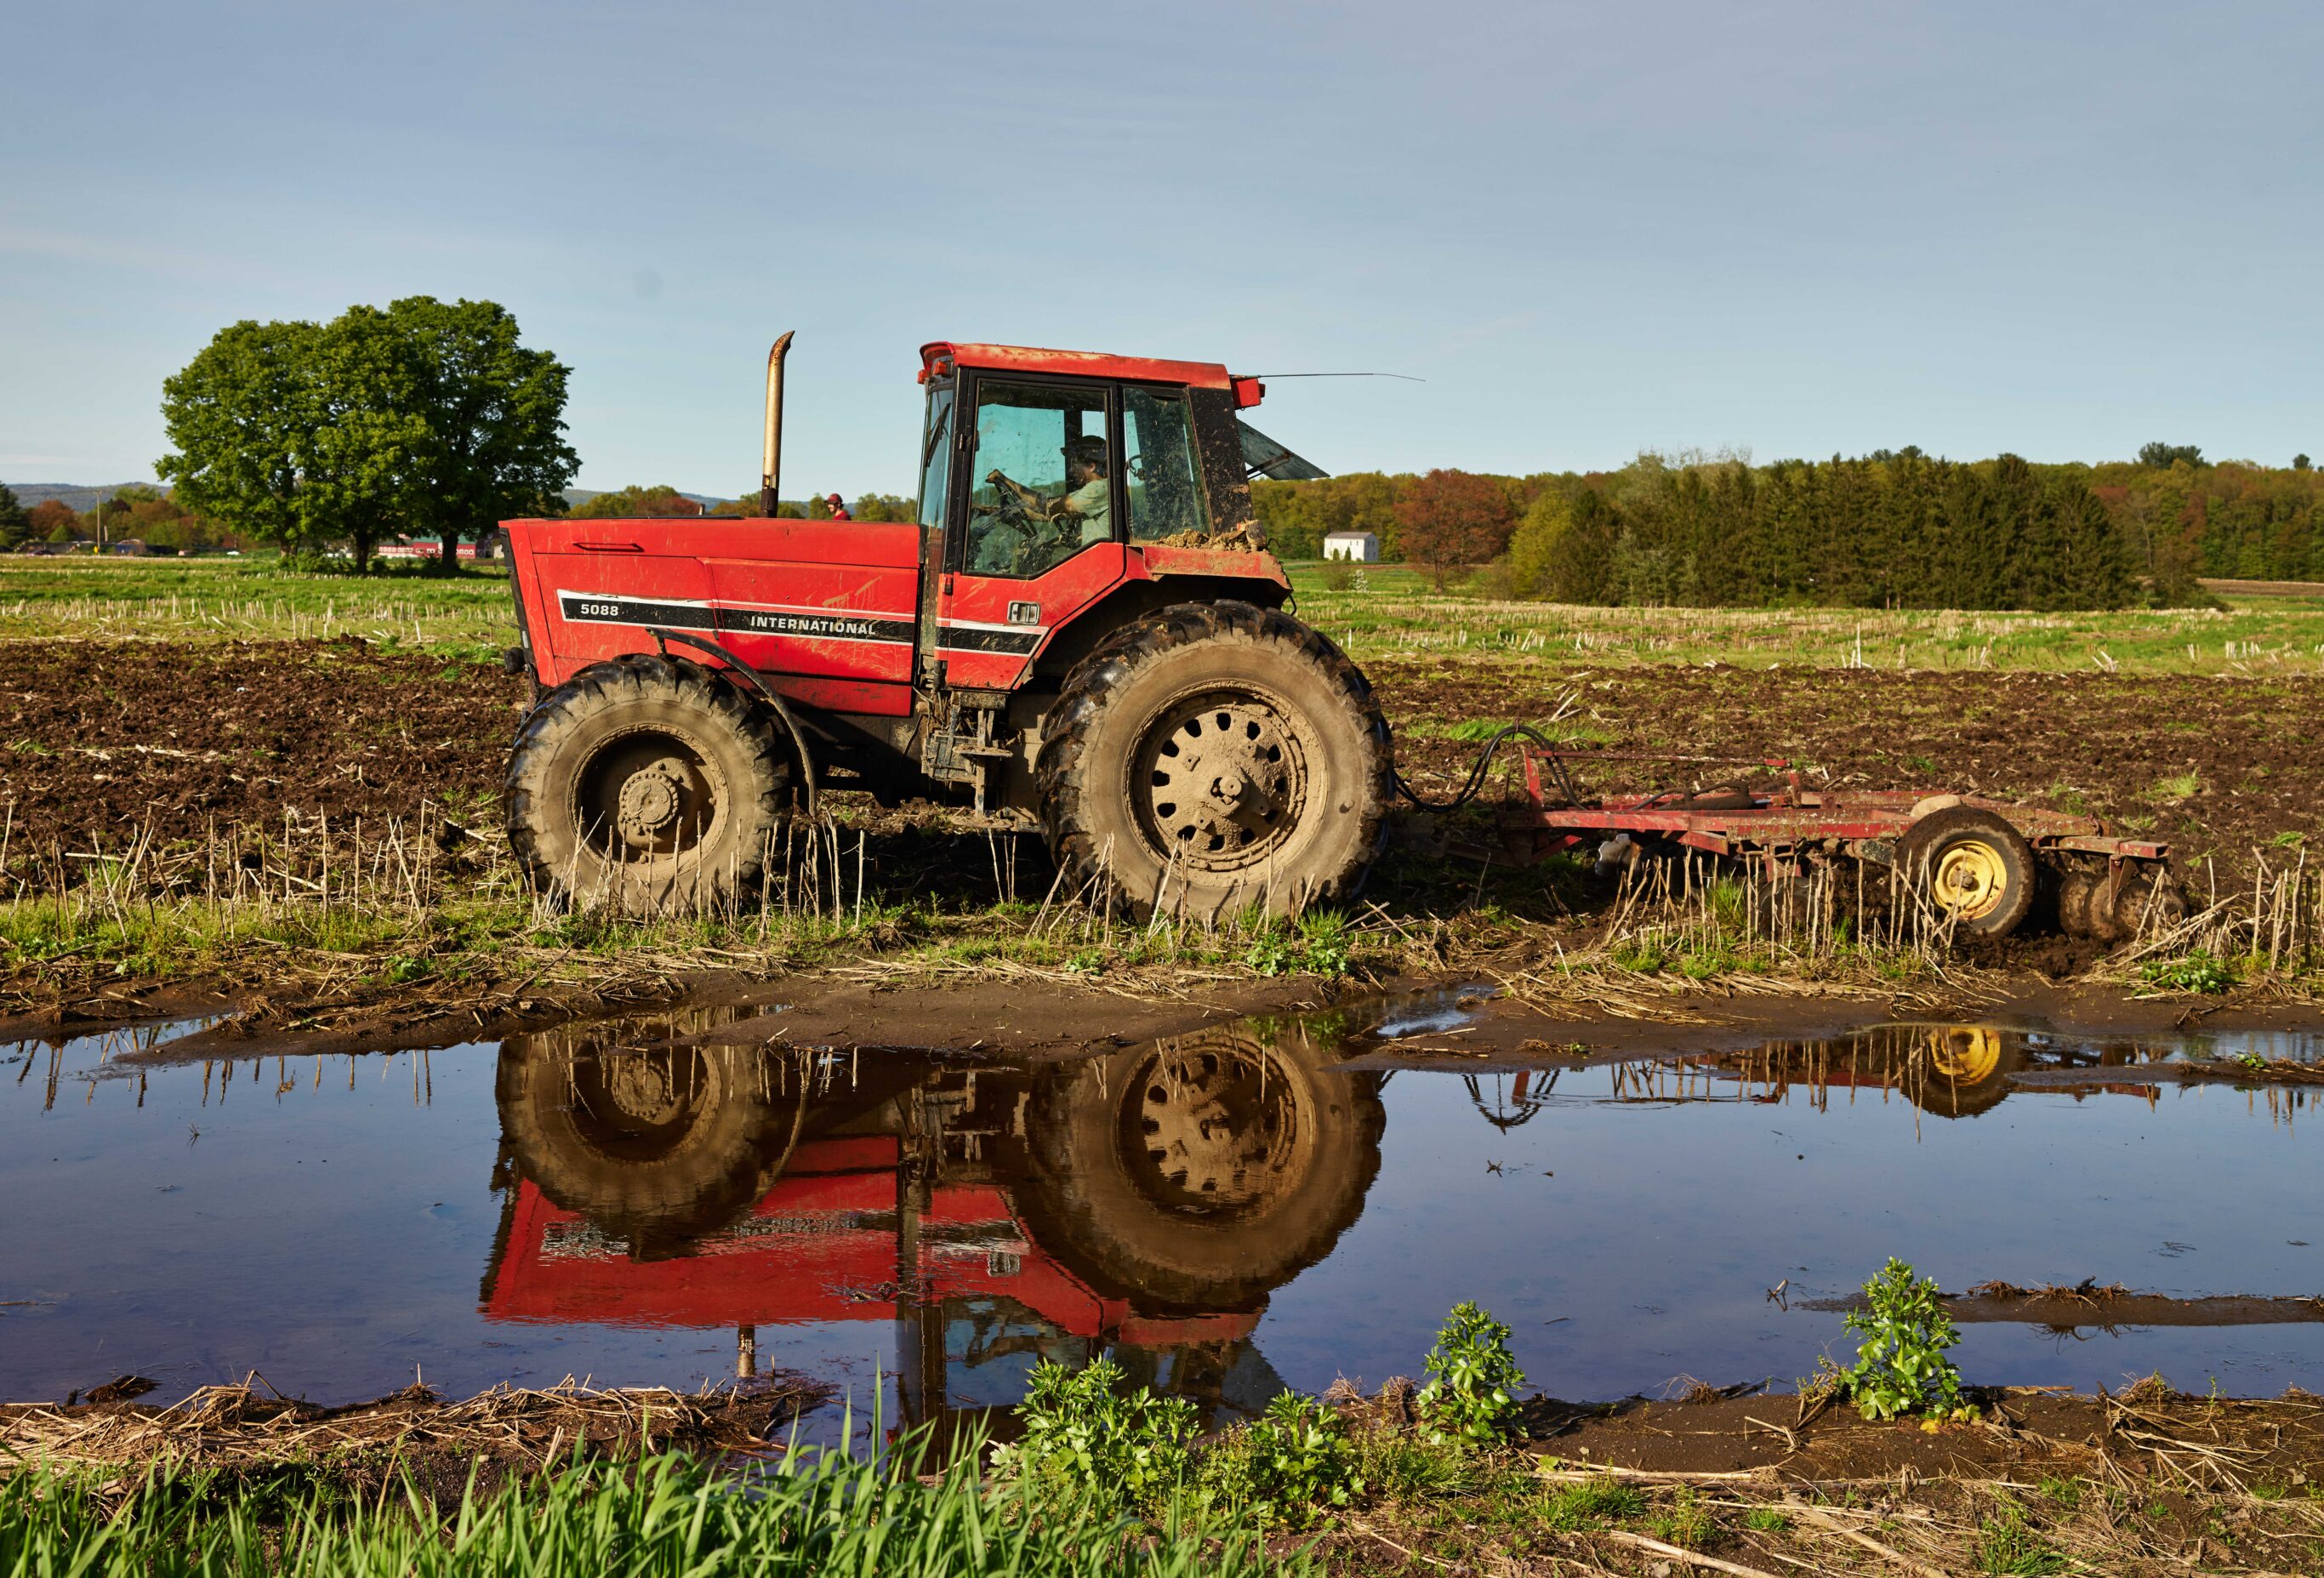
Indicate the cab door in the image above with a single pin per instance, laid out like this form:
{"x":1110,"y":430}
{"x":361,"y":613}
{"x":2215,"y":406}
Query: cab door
{"x":1039,"y":506}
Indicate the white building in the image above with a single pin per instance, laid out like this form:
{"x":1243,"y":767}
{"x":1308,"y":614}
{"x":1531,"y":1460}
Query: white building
{"x":1363,"y":546}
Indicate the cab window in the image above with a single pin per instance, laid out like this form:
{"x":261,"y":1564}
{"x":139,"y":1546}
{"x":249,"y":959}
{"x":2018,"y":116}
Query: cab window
{"x":1158,"y":442}
{"x":1041,"y":483}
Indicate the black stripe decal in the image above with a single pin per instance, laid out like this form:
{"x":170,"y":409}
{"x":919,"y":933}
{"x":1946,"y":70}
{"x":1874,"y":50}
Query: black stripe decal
{"x":820,"y":627}
{"x":593,"y":608}
{"x":961,"y":638}
{"x":588,"y":608}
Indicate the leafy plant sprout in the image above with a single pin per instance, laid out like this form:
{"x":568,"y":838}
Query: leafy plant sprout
{"x":1901,"y":1367}
{"x":1470,"y":1396}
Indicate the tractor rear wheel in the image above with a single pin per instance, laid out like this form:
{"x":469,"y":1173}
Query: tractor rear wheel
{"x":647,"y":783}
{"x":1212,"y":757}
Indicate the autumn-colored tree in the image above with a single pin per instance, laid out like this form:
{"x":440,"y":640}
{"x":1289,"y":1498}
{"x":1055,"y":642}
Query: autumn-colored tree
{"x":635,"y":503}
{"x":53,"y":521}
{"x":1449,"y":519}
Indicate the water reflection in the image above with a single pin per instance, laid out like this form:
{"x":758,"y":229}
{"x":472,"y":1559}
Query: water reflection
{"x":1945,"y":1070}
{"x":1144,"y":1203}
{"x":1217,"y":1209}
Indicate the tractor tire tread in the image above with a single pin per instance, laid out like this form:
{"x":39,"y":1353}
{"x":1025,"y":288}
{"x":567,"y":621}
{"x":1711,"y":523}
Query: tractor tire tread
{"x":1061,"y":768}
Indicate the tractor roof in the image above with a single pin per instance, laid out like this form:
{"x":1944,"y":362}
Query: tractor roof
{"x":1082,"y":364}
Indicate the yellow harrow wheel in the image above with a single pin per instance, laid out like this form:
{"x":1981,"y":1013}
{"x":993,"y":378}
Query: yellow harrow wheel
{"x":1975,"y":871}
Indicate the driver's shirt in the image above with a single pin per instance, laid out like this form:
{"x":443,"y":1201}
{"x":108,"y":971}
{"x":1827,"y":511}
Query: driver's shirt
{"x":1093,"y":502}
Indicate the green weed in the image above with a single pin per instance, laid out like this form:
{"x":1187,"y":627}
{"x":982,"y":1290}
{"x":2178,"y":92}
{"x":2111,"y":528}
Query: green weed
{"x":1685,"y":1521}
{"x":1284,"y":1468}
{"x":1901,"y":1366}
{"x":1592,"y":1501}
{"x":2008,"y":1548}
{"x":1090,"y":1440}
{"x":2196,"y":972}
{"x":1470,"y":1399}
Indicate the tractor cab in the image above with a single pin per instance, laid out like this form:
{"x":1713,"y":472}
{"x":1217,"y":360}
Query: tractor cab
{"x":1052,"y":479}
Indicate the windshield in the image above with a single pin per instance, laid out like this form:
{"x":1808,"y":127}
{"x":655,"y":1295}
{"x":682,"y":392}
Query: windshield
{"x":936,"y":455}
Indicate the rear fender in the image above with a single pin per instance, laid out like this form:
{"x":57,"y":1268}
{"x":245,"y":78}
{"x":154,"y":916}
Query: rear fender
{"x":1134,"y":600}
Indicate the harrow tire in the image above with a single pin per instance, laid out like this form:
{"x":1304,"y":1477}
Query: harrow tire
{"x":1980,"y":859}
{"x":2076,"y":887}
{"x":649,"y":783}
{"x":1212,"y":756}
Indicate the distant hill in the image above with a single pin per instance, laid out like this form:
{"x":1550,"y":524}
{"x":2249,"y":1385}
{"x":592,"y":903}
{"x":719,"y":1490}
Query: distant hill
{"x":582,"y":495}
{"x":82,"y":497}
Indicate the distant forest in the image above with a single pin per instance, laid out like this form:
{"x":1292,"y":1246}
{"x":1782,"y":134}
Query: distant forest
{"x":1893,"y":528}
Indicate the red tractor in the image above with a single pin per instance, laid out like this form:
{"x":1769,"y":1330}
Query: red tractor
{"x":1084,"y":635}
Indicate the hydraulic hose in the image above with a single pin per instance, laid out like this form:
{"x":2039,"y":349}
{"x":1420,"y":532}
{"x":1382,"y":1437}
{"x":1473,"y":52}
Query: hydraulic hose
{"x":1476,"y":773}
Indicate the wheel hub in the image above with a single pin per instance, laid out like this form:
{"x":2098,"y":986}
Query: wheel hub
{"x":651,"y":799}
{"x":1969,"y":879}
{"x":1215,"y":1131}
{"x":1966,"y":1054}
{"x":642,"y":1090}
{"x":1221,"y":782}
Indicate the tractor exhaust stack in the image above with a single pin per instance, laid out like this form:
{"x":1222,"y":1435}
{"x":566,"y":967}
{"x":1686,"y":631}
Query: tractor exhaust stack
{"x":771,"y":456}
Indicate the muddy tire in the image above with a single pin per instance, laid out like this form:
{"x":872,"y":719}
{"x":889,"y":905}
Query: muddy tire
{"x":2076,"y":888}
{"x":655,"y":1148}
{"x":1212,"y":757}
{"x":647,"y":783}
{"x":1977,"y":871}
{"x":2147,"y":899}
{"x":1196,"y":1174}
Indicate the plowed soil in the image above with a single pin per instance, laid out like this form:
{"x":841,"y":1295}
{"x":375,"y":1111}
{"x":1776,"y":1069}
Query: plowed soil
{"x":2219,"y":768}
{"x":98,"y":740}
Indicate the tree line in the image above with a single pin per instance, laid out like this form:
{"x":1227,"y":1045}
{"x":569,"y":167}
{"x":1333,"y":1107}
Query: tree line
{"x":1897,"y":528}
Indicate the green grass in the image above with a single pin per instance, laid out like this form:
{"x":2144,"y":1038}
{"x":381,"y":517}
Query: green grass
{"x":1400,"y":615}
{"x":822,"y":1513}
{"x":217,"y":599}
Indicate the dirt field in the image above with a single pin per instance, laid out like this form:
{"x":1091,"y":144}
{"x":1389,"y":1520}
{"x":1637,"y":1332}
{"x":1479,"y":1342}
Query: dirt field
{"x":2216,"y":766}
{"x":98,"y":740}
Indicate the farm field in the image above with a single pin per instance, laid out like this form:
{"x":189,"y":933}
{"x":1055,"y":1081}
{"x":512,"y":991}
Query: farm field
{"x":1379,"y":611}
{"x":222,"y":734}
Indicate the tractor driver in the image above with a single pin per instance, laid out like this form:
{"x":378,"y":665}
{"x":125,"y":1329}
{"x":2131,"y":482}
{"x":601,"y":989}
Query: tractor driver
{"x":1082,"y":514}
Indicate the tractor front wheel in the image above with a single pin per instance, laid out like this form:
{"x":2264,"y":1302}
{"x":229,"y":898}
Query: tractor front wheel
{"x":649,"y":784}
{"x":1214,"y":757}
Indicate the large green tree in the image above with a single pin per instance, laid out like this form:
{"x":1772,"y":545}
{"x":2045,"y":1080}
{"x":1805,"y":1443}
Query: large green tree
{"x":240,"y":422}
{"x":424,"y":416}
{"x":495,"y":417}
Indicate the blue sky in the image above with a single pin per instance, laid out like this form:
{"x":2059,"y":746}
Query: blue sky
{"x":2058,"y":228}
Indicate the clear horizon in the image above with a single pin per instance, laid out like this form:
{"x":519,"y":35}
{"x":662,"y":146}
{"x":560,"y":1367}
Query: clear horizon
{"x":2062,"y":231}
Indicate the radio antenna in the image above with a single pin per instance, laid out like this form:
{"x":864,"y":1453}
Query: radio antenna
{"x":1407,"y":377}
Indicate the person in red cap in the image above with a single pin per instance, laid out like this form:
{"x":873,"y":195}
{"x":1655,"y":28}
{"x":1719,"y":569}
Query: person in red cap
{"x":837,"y":507}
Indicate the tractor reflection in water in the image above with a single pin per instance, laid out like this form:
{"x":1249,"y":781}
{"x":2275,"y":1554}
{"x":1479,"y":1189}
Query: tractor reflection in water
{"x":1144,"y":1203}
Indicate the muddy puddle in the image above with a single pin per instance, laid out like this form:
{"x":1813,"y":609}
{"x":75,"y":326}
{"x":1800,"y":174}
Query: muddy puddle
{"x":1274,"y":1203}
